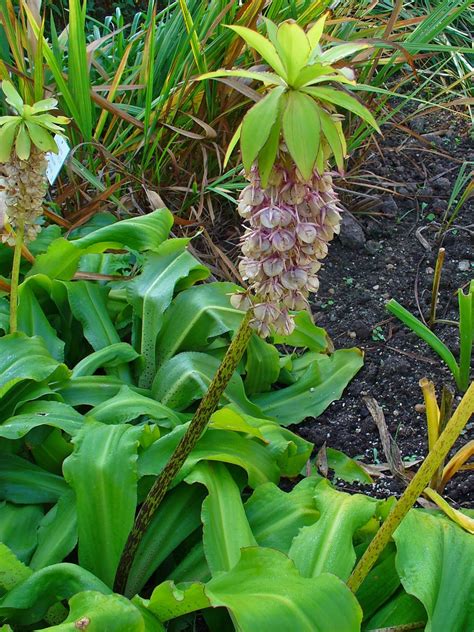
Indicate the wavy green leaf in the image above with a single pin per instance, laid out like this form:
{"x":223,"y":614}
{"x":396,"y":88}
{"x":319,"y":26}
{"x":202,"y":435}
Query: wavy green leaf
{"x":18,"y":526}
{"x":327,"y":546}
{"x":265,"y":593}
{"x":145,"y":232}
{"x":214,"y":445}
{"x":323,"y":382}
{"x":23,"y":358}
{"x":186,"y":377}
{"x":225,"y":526}
{"x":262,"y":366}
{"x":103,"y":473}
{"x":28,"y":602}
{"x":103,"y":612}
{"x":128,"y":405}
{"x":57,"y":533}
{"x":111,"y":356}
{"x":276,"y":517}
{"x":195,"y":317}
{"x":25,"y":483}
{"x":175,"y":519}
{"x":42,"y":413}
{"x":434,"y":562}
{"x":151,"y":292}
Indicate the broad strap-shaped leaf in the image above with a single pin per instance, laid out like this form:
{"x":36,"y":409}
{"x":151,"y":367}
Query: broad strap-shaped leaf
{"x":344,"y":100}
{"x":301,"y":121}
{"x":42,"y":413}
{"x":92,"y":390}
{"x":18,"y":527}
{"x":33,"y":321}
{"x":265,"y":593}
{"x":186,"y":377}
{"x":176,"y":518}
{"x":434,"y":561}
{"x":257,"y":125}
{"x":88,"y":304}
{"x":146,"y":232}
{"x":151,"y":292}
{"x":327,"y":545}
{"x":25,"y":483}
{"x":111,"y":356}
{"x":262,"y":366}
{"x":306,"y":334}
{"x":103,"y":473}
{"x":57,"y":533}
{"x":215,"y":445}
{"x":60,"y":261}
{"x":102,"y":612}
{"x":402,"y":609}
{"x":23,"y":358}
{"x":12,"y":570}
{"x":225,"y":525}
{"x":263,"y":47}
{"x":322,"y":383}
{"x":128,"y":405}
{"x":28,"y":601}
{"x":195,"y":317}
{"x":276,"y":517}
{"x":293,"y":48}
{"x":169,"y":601}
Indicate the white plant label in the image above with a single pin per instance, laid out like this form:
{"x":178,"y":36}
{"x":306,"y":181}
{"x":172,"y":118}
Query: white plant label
{"x":56,"y":161}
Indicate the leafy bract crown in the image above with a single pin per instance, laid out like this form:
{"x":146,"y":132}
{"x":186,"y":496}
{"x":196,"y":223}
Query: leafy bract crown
{"x":32,"y":124}
{"x":296,"y":105}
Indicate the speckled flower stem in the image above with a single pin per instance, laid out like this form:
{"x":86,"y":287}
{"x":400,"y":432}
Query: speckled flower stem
{"x":415,"y":488}
{"x":198,"y":424}
{"x":19,"y":236}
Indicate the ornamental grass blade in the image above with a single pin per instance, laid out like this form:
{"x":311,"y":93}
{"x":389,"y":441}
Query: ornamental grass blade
{"x":102,"y":471}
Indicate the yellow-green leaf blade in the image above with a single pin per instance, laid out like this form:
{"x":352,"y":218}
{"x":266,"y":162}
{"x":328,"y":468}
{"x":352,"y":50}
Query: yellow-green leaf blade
{"x":257,"y":125}
{"x":344,"y":100}
{"x":301,"y":131}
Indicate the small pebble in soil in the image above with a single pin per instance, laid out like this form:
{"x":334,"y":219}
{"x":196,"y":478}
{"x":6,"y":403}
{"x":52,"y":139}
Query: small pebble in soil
{"x":420,"y":408}
{"x":352,"y":334}
{"x":464,"y":265}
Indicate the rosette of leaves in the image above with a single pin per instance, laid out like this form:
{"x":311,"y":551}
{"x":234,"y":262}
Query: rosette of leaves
{"x":286,"y":139}
{"x":25,"y":138}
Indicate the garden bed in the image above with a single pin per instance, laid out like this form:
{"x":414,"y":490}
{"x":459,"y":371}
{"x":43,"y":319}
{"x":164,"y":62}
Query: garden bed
{"x":381,"y":258}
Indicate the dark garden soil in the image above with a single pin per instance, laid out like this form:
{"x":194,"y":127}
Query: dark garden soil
{"x":383,"y":256}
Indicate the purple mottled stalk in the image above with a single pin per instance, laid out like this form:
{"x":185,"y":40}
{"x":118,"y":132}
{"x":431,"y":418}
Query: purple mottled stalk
{"x":288,"y":226}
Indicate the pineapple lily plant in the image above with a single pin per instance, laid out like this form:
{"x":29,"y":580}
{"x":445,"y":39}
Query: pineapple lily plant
{"x":25,"y":139}
{"x":290,"y":207}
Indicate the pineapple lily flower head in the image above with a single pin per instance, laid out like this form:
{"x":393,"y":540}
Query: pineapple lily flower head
{"x":290,"y":208}
{"x":31,"y":125}
{"x":25,"y":138}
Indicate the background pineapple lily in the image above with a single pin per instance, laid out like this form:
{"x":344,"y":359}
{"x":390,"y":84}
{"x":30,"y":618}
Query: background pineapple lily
{"x":25,"y":138}
{"x":290,"y":206}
